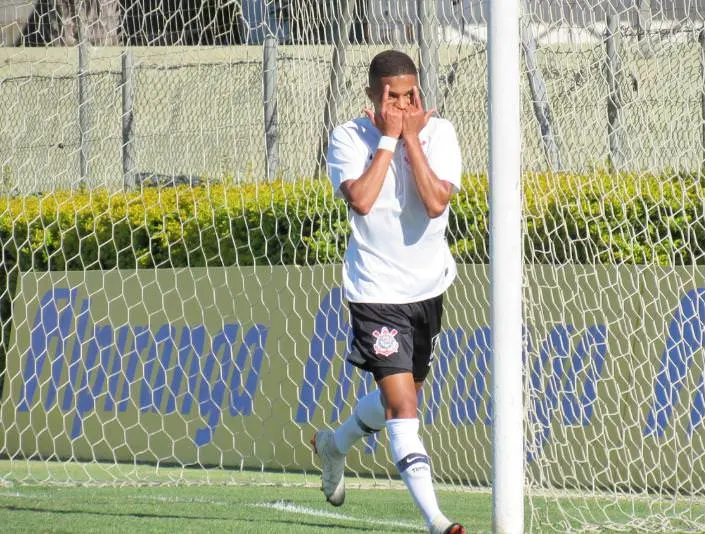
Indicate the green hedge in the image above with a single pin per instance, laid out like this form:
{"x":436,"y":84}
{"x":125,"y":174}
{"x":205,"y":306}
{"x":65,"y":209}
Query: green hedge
{"x":598,"y":218}
{"x":172,"y":227}
{"x":590,"y":219}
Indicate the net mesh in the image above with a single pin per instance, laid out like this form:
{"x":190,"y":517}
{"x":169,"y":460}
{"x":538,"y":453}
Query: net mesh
{"x":171,"y":293}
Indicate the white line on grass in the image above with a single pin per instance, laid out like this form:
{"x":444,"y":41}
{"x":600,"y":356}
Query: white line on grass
{"x":180,"y":500}
{"x":302,"y":510}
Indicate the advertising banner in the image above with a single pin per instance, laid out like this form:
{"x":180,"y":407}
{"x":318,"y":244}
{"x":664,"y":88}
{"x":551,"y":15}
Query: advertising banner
{"x":236,"y":367}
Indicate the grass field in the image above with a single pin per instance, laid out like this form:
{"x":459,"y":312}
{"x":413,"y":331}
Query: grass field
{"x":238,"y":502}
{"x":244,"y":502}
{"x":245,"y":509}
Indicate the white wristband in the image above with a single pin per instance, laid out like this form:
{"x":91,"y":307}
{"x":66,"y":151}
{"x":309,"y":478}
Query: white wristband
{"x":387,"y":143}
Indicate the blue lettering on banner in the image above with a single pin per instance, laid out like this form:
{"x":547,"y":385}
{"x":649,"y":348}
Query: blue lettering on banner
{"x":686,"y":338}
{"x":52,"y":324}
{"x":102,"y":363}
{"x":173,"y":369}
{"x":329,"y":328}
{"x":468,"y":400}
{"x":573,"y":374}
{"x":553,"y":379}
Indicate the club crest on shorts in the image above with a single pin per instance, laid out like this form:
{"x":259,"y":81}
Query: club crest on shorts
{"x":386,"y":342}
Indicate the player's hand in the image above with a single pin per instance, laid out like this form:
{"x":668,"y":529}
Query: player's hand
{"x":388,"y":120}
{"x":415,"y":118}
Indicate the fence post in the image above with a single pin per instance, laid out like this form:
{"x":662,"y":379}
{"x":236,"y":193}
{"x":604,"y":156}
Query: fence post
{"x":701,"y":39}
{"x":83,"y":115}
{"x":644,"y":27}
{"x":539,"y":94}
{"x":428,"y":52}
{"x":128,"y":125}
{"x":336,"y":86}
{"x":614,"y":99}
{"x":269,"y":75}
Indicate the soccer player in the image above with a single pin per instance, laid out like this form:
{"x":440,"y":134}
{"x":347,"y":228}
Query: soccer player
{"x":397,"y":168}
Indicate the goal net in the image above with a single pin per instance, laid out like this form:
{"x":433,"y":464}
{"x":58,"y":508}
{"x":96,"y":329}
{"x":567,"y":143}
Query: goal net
{"x":171,"y":248}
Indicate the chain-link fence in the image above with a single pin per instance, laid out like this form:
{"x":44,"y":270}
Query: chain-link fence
{"x":198,"y":112}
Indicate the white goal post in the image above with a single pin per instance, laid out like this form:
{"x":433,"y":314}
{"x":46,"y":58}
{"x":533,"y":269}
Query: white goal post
{"x":506,"y":266}
{"x":170,"y":276}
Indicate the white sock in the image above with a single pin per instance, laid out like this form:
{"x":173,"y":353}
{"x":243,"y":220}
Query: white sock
{"x":413,"y":464}
{"x":367,"y":418}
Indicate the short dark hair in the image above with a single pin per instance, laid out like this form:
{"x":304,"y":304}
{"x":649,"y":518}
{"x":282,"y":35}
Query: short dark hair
{"x":390,"y":63}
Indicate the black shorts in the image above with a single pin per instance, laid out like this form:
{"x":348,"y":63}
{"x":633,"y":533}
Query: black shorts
{"x":395,"y":338}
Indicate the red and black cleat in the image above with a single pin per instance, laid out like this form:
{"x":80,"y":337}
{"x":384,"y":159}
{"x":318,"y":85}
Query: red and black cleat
{"x":456,"y":528}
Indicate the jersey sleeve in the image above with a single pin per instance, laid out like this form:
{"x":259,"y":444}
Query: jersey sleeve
{"x":345,"y":160}
{"x":444,"y":154}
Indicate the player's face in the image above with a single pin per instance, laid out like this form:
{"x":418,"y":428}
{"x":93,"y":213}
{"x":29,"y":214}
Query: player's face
{"x":401,"y":91}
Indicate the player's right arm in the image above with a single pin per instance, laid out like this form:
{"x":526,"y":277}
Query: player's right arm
{"x":362,"y":191}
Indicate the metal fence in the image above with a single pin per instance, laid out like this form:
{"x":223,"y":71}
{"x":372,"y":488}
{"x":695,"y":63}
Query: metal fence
{"x":629,"y":94}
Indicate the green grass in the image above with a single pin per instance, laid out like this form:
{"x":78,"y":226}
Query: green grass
{"x":239,"y":509}
{"x":82,"y":498}
{"x":235,"y":502}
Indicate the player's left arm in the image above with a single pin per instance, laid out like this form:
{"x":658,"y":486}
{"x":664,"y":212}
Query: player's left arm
{"x":434,"y":191}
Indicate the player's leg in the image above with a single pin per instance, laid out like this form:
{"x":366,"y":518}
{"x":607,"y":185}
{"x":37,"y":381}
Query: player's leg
{"x":332,"y":446}
{"x":367,"y":418}
{"x":416,"y":471}
{"x":407,"y":450}
{"x":368,"y":413}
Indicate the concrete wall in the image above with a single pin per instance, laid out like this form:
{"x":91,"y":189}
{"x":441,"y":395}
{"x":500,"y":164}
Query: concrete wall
{"x":199,"y":111}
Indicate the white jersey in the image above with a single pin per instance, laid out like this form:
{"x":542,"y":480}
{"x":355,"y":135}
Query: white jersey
{"x":396,"y":253}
